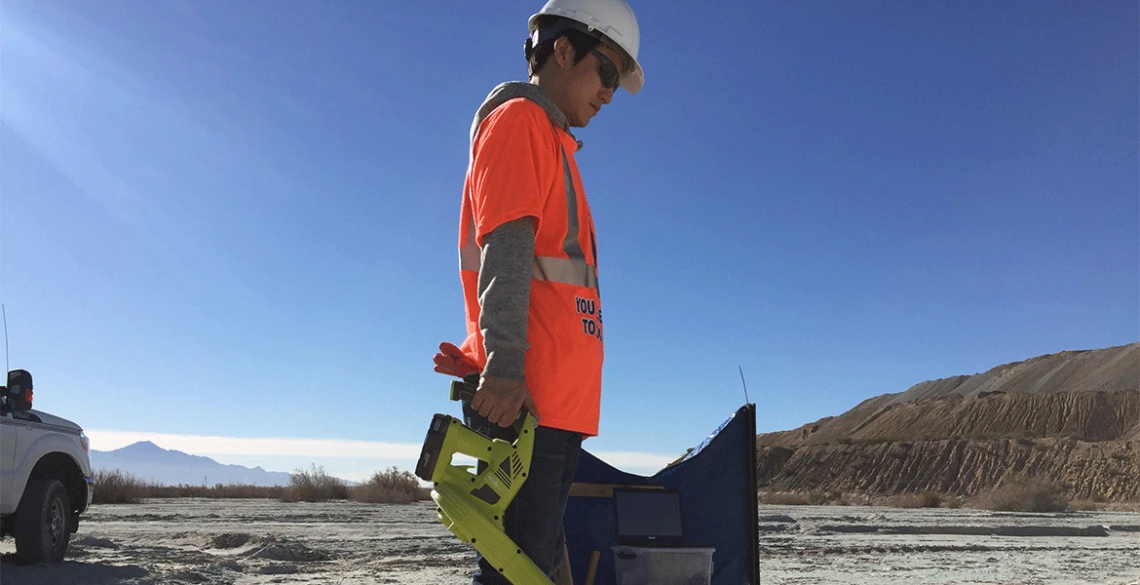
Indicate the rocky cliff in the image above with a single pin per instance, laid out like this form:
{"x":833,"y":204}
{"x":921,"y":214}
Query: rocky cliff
{"x":1072,"y":417}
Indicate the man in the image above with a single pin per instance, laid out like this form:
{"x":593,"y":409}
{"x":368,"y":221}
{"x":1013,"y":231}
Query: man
{"x":528,"y":258}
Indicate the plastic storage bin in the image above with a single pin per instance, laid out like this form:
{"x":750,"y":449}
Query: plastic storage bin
{"x":663,"y":566}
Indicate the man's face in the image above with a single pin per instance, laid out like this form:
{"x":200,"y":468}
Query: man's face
{"x":586,"y":94}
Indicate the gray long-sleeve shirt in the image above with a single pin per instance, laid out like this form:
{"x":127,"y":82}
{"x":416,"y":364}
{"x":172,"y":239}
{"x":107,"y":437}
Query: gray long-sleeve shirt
{"x":506,"y":264}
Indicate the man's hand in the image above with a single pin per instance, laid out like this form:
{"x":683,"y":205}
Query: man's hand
{"x":453,"y":362}
{"x":499,"y":400}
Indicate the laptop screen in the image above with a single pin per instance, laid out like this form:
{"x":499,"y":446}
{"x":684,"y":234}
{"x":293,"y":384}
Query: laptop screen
{"x":648,"y":516}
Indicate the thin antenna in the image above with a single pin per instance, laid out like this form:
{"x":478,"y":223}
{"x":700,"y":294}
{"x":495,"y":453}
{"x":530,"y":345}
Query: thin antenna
{"x":5,"y":313}
{"x":743,"y":383}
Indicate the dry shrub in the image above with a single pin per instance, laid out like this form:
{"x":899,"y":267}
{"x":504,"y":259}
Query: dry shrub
{"x":785,"y":499}
{"x":181,"y":490}
{"x":929,"y":500}
{"x":219,"y":491}
{"x":1024,"y":495}
{"x":121,"y":487}
{"x":389,"y":487}
{"x":902,"y":501}
{"x":919,"y":500}
{"x":238,"y":490}
{"x":952,"y":501}
{"x":118,"y":487}
{"x":843,"y":500}
{"x":820,"y":498}
{"x":314,"y":485}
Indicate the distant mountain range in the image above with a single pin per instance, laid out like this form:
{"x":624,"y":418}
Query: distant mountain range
{"x":152,"y":463}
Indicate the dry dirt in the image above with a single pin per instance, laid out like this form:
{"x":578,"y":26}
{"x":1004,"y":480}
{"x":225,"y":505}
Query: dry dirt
{"x":889,"y":546}
{"x":255,"y":542}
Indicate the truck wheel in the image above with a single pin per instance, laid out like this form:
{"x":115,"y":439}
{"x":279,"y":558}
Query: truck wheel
{"x":42,"y":520}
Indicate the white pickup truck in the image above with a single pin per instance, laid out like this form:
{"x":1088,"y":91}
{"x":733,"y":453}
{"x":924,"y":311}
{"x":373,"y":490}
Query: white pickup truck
{"x":45,"y":474}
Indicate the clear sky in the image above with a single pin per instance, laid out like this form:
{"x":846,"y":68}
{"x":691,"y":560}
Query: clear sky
{"x":238,"y":220}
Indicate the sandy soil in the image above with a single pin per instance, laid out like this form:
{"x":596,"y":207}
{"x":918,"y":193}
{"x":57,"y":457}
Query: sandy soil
{"x":832,"y":545}
{"x":246,"y":542}
{"x":239,"y":542}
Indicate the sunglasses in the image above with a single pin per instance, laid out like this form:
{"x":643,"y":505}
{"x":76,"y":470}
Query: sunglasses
{"x":607,"y":70}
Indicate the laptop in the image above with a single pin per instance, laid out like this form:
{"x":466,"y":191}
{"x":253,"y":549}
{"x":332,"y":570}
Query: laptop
{"x":648,"y":517}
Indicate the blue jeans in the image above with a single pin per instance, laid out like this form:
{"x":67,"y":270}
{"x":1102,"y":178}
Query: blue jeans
{"x":533,"y":520}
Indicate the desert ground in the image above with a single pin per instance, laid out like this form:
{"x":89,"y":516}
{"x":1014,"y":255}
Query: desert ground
{"x":933,"y":546}
{"x":256,"y":542}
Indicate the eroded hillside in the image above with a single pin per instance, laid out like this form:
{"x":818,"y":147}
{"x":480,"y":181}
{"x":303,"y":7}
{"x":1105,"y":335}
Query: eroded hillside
{"x":1073,"y":417}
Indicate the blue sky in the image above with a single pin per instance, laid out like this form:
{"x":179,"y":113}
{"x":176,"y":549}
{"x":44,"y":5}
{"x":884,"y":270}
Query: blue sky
{"x":238,"y":219}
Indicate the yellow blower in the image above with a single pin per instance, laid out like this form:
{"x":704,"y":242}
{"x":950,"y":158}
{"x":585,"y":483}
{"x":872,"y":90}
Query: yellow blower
{"x":471,"y":503}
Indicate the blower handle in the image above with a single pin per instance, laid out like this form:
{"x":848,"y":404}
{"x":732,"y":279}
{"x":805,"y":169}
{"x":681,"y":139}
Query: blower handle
{"x":465,"y":392}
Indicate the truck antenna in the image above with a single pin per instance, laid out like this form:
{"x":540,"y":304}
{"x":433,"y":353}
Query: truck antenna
{"x":743,"y":383}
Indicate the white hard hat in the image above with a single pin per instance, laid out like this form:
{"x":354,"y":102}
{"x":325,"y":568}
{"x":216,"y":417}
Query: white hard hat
{"x":614,"y":19}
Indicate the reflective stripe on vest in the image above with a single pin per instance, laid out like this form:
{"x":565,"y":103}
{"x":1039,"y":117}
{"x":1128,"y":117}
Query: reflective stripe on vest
{"x":572,"y":270}
{"x":566,"y":271}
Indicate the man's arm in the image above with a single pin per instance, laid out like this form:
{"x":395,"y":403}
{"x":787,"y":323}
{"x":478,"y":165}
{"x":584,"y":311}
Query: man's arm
{"x":506,"y":265}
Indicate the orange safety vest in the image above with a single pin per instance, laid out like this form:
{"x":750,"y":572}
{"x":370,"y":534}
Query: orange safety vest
{"x":522,"y":165}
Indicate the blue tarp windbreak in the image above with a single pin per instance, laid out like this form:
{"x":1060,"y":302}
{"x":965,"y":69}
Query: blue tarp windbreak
{"x":717,"y":481}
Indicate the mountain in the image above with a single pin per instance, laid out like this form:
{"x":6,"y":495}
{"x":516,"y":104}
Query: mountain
{"x":1072,"y":417}
{"x":152,"y":463}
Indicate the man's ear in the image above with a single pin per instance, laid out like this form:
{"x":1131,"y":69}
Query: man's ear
{"x":563,"y":53}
